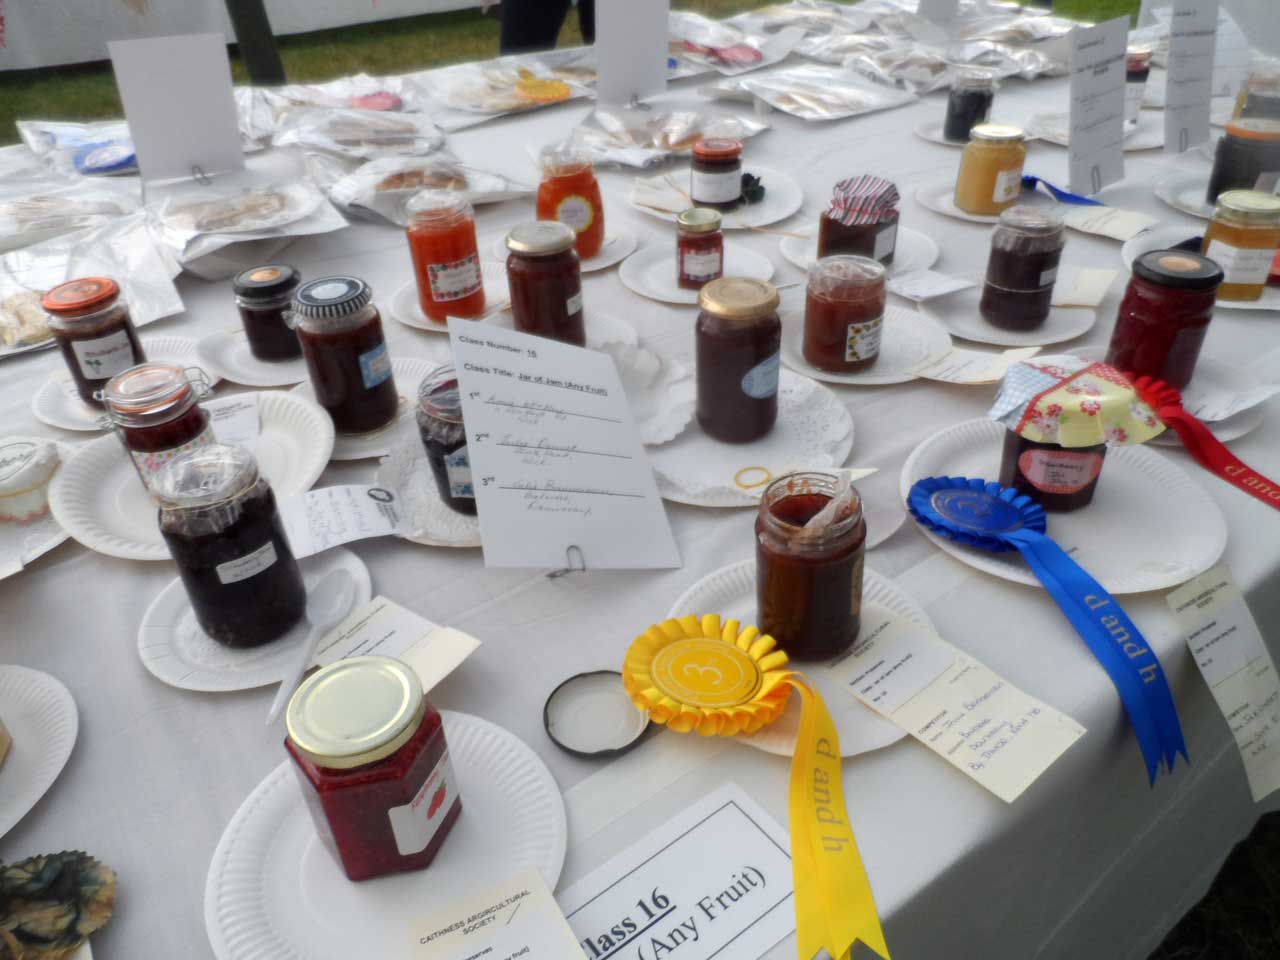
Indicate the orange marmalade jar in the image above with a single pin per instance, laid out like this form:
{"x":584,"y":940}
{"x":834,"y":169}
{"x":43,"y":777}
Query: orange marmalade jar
{"x":446,"y":262}
{"x":569,"y":193}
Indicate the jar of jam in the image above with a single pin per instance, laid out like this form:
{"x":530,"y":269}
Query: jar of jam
{"x":1137,"y":67}
{"x":1165,"y":315}
{"x":862,"y":219}
{"x":736,"y":342}
{"x":1247,"y":157}
{"x":443,"y":439}
{"x":844,"y":313}
{"x":990,"y":176}
{"x":94,"y":332}
{"x":1260,"y":95}
{"x":1060,"y":479}
{"x":809,"y":575}
{"x":968,"y":104}
{"x":545,"y":279}
{"x":699,"y":248}
{"x":370,"y":754}
{"x":1242,"y":238}
{"x":346,"y":353}
{"x":219,"y":520}
{"x":1026,"y":246}
{"x":716,"y":175}
{"x":264,"y":296}
{"x":155,"y":407}
{"x":446,"y":261}
{"x":569,"y":193}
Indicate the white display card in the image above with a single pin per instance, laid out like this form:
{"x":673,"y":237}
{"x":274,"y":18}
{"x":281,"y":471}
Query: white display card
{"x":1106,"y":221}
{"x":235,"y":420}
{"x":964,"y":366}
{"x":331,"y":516}
{"x":1096,"y":140}
{"x":1189,"y":84}
{"x":631,"y":51}
{"x":925,"y":285}
{"x":1083,"y":287}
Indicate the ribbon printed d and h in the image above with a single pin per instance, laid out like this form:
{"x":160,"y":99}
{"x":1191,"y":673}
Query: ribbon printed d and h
{"x":699,"y":674}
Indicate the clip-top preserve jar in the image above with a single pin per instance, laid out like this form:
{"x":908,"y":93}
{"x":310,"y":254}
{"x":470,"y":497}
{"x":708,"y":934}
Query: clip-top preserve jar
{"x":570,"y":193}
{"x":264,"y":296}
{"x":990,"y":175}
{"x":219,"y":520}
{"x":715,"y":178}
{"x":843,"y":313}
{"x":444,"y":439}
{"x":1026,"y":246}
{"x":545,"y":280}
{"x":699,"y":248}
{"x":446,"y":261}
{"x":94,"y":332}
{"x":968,"y":104}
{"x":1242,"y":238}
{"x":736,"y":342}
{"x":371,"y":757}
{"x":155,"y":407}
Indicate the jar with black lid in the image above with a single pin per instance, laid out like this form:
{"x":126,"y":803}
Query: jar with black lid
{"x":264,"y":295}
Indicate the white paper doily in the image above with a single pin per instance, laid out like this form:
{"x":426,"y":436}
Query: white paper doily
{"x":432,"y":522}
{"x":660,"y":391}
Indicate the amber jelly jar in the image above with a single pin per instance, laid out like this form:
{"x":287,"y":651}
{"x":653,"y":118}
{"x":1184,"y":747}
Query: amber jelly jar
{"x":990,"y":174}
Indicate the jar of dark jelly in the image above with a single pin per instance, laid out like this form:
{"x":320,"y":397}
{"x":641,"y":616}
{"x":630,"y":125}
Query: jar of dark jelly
{"x":737,"y":339}
{"x":264,"y":296}
{"x":155,"y":407}
{"x":370,"y":754}
{"x":1164,"y":315}
{"x":94,"y":332}
{"x":968,"y":104}
{"x":341,"y":334}
{"x":219,"y":520}
{"x":876,"y":240}
{"x":1060,"y":479}
{"x":715,"y":176}
{"x":444,"y":440}
{"x":545,"y":281}
{"x":809,"y":579}
{"x":1247,"y":151}
{"x":1026,"y":247}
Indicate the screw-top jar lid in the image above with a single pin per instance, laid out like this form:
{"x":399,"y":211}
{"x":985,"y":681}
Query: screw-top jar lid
{"x":1033,"y":221}
{"x":438,"y":204}
{"x":80,"y":297}
{"x":698,"y":220}
{"x":974,"y":80}
{"x":541,"y":238}
{"x":332,"y":297}
{"x":738,"y":298}
{"x":213,"y":473}
{"x":266,"y":282}
{"x":1178,"y":269}
{"x":439,"y":395}
{"x":1251,"y":205}
{"x":717,"y":149}
{"x":1254,"y":128}
{"x":146,"y":392}
{"x":997,"y":133}
{"x":356,"y":711}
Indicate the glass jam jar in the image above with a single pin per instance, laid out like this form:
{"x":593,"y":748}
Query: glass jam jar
{"x":809,"y":579}
{"x":1260,"y":95}
{"x":1137,"y":67}
{"x":446,"y":261}
{"x":155,"y":407}
{"x":346,"y":353}
{"x":444,"y":440}
{"x":545,"y":279}
{"x":1060,"y":479}
{"x":699,"y":248}
{"x":1242,"y":238}
{"x":968,"y":104}
{"x":1026,"y":246}
{"x":1164,"y":316}
{"x":370,"y":754}
{"x":569,"y":193}
{"x":264,"y":295}
{"x":94,"y":332}
{"x":1247,"y":151}
{"x":715,"y":176}
{"x":736,"y":341}
{"x":219,"y":520}
{"x":844,"y":313}
{"x":862,"y":219}
{"x":990,"y":176}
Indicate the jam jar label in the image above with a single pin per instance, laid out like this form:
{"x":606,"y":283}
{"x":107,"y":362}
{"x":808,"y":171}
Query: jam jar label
{"x":1060,"y":471}
{"x":1240,"y":264}
{"x":716,"y":187}
{"x":577,"y":212}
{"x":886,"y":240}
{"x":1048,"y":277}
{"x":457,"y":467}
{"x":761,"y":380}
{"x":416,"y":823}
{"x":375,"y":366}
{"x":701,"y":266}
{"x":104,"y":357}
{"x":152,"y":462}
{"x":251,"y":564}
{"x":454,"y":280}
{"x":574,"y":304}
{"x":1008,"y":185}
{"x":862,"y":340}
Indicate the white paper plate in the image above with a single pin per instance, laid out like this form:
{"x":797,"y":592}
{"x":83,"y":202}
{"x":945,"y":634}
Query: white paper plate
{"x":619,"y":243}
{"x":26,"y":542}
{"x":99,"y":499}
{"x":40,"y":715}
{"x":908,"y":339}
{"x":227,"y":355}
{"x":651,"y":271}
{"x":814,"y":431}
{"x":1232,"y":428}
{"x":782,"y":197}
{"x":1185,"y":192}
{"x":939,"y":196}
{"x":174,"y":648}
{"x":1220,"y":109}
{"x":660,"y":390}
{"x":914,"y":251}
{"x":432,"y":522}
{"x":1147,"y":135}
{"x":958,"y":312}
{"x":931,"y":130}
{"x":274,"y":893}
{"x":731,"y":592}
{"x":1160,"y":238}
{"x":1150,"y":526}
{"x":407,"y":309}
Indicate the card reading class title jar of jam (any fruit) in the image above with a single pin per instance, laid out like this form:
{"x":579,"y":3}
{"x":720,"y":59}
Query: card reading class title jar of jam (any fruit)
{"x":94,"y":332}
{"x":736,"y":340}
{"x":155,"y":408}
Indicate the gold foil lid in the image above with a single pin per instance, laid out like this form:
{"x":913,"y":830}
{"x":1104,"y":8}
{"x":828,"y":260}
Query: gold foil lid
{"x":541,"y":238}
{"x":1250,"y":204}
{"x":737,"y":298}
{"x":997,"y":133}
{"x":699,"y":220}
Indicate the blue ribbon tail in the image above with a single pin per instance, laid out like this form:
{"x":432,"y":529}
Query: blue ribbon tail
{"x":1029,"y":182}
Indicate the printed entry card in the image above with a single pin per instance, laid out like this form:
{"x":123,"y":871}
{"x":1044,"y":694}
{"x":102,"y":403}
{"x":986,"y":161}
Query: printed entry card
{"x":1096,"y":141}
{"x":1189,"y":85}
{"x":331,"y":516}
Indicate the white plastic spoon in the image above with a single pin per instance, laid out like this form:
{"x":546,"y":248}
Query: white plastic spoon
{"x":327,"y":604}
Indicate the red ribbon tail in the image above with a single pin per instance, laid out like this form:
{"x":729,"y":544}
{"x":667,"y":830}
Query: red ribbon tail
{"x":1209,"y":452}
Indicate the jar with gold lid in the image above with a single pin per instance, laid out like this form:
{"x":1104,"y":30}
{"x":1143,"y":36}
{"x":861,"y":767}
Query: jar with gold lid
{"x":990,"y":175}
{"x":699,"y":248}
{"x":1242,"y":239}
{"x":737,"y":339}
{"x":545,"y":281}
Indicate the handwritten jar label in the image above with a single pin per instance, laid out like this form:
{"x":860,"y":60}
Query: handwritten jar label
{"x":375,"y":366}
{"x":104,"y":357}
{"x":762,"y":380}
{"x":577,"y":212}
{"x":1241,"y":264}
{"x":862,"y":340}
{"x":454,"y":280}
{"x":1008,"y":185}
{"x":153,"y":461}
{"x":415,"y":823}
{"x":716,"y":187}
{"x":457,"y":467}
{"x":250,"y":565}
{"x":1060,"y":471}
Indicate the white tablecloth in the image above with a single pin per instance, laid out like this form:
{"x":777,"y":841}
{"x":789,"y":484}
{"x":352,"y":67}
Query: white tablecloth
{"x":1091,"y":861}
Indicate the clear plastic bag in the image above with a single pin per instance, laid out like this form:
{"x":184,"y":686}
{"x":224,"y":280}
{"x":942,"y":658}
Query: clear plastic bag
{"x":262,"y":108}
{"x":641,"y":138}
{"x":726,"y":48}
{"x":362,"y":134}
{"x":32,"y":210}
{"x":511,"y":84}
{"x":88,"y":149}
{"x":815,"y":93}
{"x":915,"y":67}
{"x":836,"y":48}
{"x":815,"y":17}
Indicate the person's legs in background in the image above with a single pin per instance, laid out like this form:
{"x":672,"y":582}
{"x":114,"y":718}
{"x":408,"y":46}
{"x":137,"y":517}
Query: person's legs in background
{"x":531,"y":24}
{"x":587,"y":20}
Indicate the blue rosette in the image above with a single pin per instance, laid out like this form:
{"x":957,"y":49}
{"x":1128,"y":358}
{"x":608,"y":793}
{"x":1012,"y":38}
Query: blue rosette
{"x":988,"y":516}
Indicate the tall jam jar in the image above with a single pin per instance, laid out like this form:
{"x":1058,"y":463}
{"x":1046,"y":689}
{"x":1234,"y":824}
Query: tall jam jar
{"x":715,"y":176}
{"x":264,"y":295}
{"x":968,"y":104}
{"x":990,"y":174}
{"x":699,"y":248}
{"x":545,"y":280}
{"x":1026,"y":247}
{"x":370,"y":754}
{"x":446,"y":261}
{"x":844,"y":313}
{"x":1247,"y":152}
{"x":444,"y":439}
{"x":570,"y":193}
{"x":1242,"y":238}
{"x":737,"y":340}
{"x":155,"y":408}
{"x":93,"y":329}
{"x":219,"y":520}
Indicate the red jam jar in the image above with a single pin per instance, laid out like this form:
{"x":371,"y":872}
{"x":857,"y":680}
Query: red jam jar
{"x":444,"y":439}
{"x":1026,"y":247}
{"x":699,"y":248}
{"x":264,"y":295}
{"x":809,"y":579}
{"x":346,"y":353}
{"x":1165,"y":315}
{"x":155,"y":407}
{"x":715,"y":178}
{"x":93,"y":330}
{"x":737,"y":338}
{"x":544,"y":277}
{"x":1058,"y":478}
{"x":371,"y":757}
{"x":446,"y":261}
{"x":844,"y":313}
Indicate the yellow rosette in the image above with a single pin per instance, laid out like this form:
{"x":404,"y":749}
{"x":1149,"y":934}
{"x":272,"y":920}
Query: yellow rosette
{"x":720,"y":678}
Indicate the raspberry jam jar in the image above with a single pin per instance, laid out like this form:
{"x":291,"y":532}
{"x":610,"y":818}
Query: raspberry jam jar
{"x":94,"y":332}
{"x":736,"y":341}
{"x":444,"y":440}
{"x":699,"y":248}
{"x":968,"y":104}
{"x":346,"y":353}
{"x":446,"y":261}
{"x":264,"y":296}
{"x":1060,"y":479}
{"x":1026,"y":246}
{"x":219,"y":520}
{"x":809,"y":575}
{"x":155,"y":407}
{"x":545,"y":280}
{"x":715,"y":177}
{"x":1165,"y":315}
{"x":569,"y":192}
{"x":370,"y":754}
{"x":844,"y":313}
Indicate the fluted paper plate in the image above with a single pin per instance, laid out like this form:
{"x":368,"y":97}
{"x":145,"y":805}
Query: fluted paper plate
{"x":651,"y":270}
{"x":908,"y":338}
{"x":227,"y":354}
{"x":40,"y":715}
{"x":958,"y":312}
{"x":1186,"y":192}
{"x":431,"y":522}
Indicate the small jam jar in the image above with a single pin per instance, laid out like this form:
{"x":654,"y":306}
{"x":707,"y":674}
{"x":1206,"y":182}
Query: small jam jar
{"x":94,"y":332}
{"x":1060,"y":479}
{"x":545,"y":279}
{"x":809,"y":579}
{"x":264,"y":295}
{"x":1165,"y":315}
{"x":346,"y":353}
{"x":1249,"y":149}
{"x":844,"y":313}
{"x":1137,"y":67}
{"x":570,"y":193}
{"x":155,"y":407}
{"x":737,"y":339}
{"x":1242,"y":238}
{"x":446,"y":261}
{"x":715,"y":178}
{"x":371,"y":757}
{"x":699,"y":248}
{"x":1026,"y":246}
{"x":444,"y":440}
{"x":968,"y":104}
{"x":990,"y":175}
{"x":219,"y":520}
